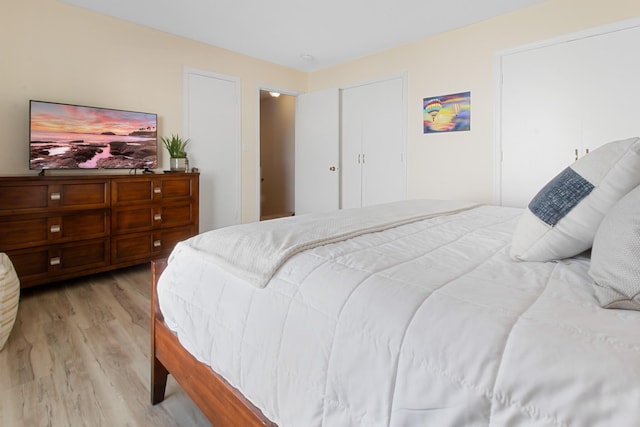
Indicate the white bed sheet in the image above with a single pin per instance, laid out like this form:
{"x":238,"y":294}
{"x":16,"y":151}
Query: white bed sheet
{"x":427,"y":324}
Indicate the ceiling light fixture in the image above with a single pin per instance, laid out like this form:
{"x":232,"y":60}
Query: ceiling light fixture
{"x":274,"y":94}
{"x":307,"y":57}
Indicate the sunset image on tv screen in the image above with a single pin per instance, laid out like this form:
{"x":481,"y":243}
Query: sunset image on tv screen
{"x":64,"y":136}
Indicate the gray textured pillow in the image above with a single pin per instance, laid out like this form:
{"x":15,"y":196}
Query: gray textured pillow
{"x":615,"y":256}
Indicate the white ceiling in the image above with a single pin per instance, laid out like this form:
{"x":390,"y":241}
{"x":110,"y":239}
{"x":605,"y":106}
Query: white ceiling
{"x":307,"y":35}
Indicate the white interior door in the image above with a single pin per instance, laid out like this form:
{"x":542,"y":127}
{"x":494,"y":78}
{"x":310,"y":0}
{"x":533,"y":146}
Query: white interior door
{"x":317,"y":131}
{"x":212,"y":123}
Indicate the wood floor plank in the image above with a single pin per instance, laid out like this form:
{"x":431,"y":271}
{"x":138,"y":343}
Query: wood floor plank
{"x":15,"y":359}
{"x":79,"y":356}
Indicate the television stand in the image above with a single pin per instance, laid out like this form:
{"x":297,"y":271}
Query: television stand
{"x":41,"y":172}
{"x":57,"y":227}
{"x":147,"y":170}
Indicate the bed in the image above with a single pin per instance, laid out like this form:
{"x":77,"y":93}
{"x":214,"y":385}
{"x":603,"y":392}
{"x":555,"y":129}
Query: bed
{"x":417,"y":312}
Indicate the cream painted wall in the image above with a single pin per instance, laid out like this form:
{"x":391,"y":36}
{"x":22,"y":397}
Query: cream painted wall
{"x":56,"y":52}
{"x":460,"y":165}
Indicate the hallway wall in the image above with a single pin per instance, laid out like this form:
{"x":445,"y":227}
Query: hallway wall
{"x":277,"y":132}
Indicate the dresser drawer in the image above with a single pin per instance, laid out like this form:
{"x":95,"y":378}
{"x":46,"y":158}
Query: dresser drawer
{"x":57,"y":227}
{"x":85,"y":225}
{"x":33,"y":196}
{"x":80,"y":195}
{"x":43,"y":264}
{"x":169,"y":238}
{"x":125,"y":191}
{"x":140,"y":246}
{"x":174,"y":188}
{"x":162,"y":188}
{"x":130,"y":248}
{"x":23,"y":231}
{"x":144,"y":218}
{"x":132,"y":219}
{"x":29,"y":230}
{"x":19,"y":231}
{"x":177,"y":214}
{"x":30,"y":263}
{"x":17,"y":196}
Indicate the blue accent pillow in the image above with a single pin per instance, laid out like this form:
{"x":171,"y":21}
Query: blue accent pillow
{"x":560,"y":196}
{"x":562,"y":219}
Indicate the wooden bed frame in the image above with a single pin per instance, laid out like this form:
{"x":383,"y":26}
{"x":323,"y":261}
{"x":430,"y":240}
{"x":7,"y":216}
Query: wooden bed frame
{"x":222,"y":404}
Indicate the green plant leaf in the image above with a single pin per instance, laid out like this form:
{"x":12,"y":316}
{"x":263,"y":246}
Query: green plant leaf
{"x":175,"y":145}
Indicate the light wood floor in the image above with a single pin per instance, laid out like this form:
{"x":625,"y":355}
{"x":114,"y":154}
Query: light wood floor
{"x":78,"y":355}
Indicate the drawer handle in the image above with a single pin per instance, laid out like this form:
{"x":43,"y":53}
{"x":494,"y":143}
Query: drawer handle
{"x":157,"y":190}
{"x":55,"y":228}
{"x":54,"y":261}
{"x":157,"y":217}
{"x":55,"y":196}
{"x":157,"y":243}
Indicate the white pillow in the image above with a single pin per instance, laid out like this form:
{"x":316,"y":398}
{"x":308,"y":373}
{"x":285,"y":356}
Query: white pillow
{"x":615,"y":256}
{"x":562,"y":219}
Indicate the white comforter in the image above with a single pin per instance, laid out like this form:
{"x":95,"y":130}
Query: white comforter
{"x":425,"y":324}
{"x":235,"y":248}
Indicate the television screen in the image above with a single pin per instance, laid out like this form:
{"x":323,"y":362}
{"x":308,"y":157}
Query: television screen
{"x":64,"y":136}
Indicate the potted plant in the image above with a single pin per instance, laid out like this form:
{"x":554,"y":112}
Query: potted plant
{"x":176,"y":147}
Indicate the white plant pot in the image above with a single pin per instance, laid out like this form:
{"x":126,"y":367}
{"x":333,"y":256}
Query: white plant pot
{"x":179,"y":164}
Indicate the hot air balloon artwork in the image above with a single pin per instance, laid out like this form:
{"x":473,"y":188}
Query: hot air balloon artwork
{"x":432,"y":108}
{"x":447,"y":113}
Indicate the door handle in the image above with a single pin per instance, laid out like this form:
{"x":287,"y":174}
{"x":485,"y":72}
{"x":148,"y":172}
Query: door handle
{"x":332,"y":168}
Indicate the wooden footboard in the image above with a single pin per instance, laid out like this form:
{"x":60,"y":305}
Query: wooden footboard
{"x":221,"y":403}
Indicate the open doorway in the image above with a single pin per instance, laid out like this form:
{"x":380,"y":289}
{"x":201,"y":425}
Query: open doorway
{"x":277,"y":155}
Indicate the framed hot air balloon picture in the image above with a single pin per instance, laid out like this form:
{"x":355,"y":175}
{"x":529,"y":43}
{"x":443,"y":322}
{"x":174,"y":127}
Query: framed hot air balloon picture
{"x":447,"y":113}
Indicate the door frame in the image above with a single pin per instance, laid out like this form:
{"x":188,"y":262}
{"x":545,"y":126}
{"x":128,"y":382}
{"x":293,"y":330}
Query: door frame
{"x":268,"y":88}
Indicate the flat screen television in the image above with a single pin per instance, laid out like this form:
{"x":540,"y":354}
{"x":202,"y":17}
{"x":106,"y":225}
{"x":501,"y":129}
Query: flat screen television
{"x":66,"y":136}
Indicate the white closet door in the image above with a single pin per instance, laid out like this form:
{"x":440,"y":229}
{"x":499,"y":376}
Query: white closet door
{"x":353,"y":111}
{"x":212,"y":123}
{"x":383,"y":143}
{"x":373,"y":143}
{"x":558,"y":98}
{"x":317,"y":130}
{"x":611,"y":105}
{"x":539,"y":122}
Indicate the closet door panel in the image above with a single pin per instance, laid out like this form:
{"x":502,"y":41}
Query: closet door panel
{"x":540,"y":121}
{"x":576,"y":94}
{"x":382,"y":169}
{"x":610,"y":101}
{"x":372,"y":151}
{"x":353,"y":112}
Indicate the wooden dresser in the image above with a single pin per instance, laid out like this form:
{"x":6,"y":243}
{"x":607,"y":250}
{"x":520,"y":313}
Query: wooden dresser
{"x":58,"y":227}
